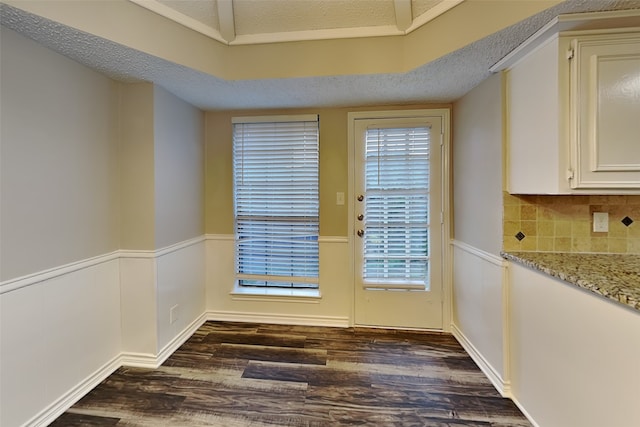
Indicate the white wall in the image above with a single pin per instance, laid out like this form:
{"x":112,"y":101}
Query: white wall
{"x":180,"y":284}
{"x":81,"y":163}
{"x":59,"y":158}
{"x":575,"y":357}
{"x":479,"y":304}
{"x":59,"y":298}
{"x":59,"y":336}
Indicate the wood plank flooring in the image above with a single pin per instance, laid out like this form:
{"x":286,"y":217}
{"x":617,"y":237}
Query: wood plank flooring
{"x":242,"y":374}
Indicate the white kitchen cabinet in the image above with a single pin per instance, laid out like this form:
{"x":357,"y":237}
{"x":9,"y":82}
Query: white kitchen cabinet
{"x":572,"y":109}
{"x":605,"y":106}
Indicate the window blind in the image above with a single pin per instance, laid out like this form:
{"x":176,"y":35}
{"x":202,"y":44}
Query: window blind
{"x":275,"y":163}
{"x":396,"y":235}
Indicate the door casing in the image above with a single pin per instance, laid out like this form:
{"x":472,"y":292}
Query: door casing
{"x":444,"y":114}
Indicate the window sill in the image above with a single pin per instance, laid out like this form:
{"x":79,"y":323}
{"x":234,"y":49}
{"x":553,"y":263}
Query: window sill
{"x":301,"y":295}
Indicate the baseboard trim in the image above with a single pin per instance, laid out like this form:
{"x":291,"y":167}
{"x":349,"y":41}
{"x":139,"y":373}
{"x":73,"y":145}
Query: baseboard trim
{"x":137,"y":360}
{"x":152,"y":361}
{"x":180,"y":339}
{"x":503,"y":387}
{"x":278,"y":319}
{"x":57,"y":408}
{"x":524,"y":412}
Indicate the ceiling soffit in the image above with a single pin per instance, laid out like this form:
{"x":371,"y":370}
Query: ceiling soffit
{"x":241,"y":22}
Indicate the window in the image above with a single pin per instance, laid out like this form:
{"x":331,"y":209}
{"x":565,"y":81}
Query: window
{"x":397,"y":205}
{"x":275,"y":163}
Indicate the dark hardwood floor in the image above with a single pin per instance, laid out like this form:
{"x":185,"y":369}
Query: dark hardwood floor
{"x":242,"y":374}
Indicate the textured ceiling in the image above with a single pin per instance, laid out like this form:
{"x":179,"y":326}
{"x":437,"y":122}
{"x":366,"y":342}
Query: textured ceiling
{"x":443,"y":80}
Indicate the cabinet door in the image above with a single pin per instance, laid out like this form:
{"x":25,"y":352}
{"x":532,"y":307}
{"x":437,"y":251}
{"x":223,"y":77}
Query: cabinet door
{"x":605,"y":107}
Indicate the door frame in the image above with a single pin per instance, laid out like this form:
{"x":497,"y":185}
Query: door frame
{"x":445,"y":115}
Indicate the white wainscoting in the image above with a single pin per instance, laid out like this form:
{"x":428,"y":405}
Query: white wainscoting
{"x":575,"y":356}
{"x":64,"y":330}
{"x":333,"y":307}
{"x":59,"y":337}
{"x":480,"y":311}
{"x":180,"y":285}
{"x":154,"y":282}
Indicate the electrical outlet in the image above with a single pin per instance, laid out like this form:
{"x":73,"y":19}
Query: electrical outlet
{"x":173,"y":314}
{"x":600,"y":222}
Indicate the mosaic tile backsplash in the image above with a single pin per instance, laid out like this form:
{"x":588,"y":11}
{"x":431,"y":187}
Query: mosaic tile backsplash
{"x":565,"y":224}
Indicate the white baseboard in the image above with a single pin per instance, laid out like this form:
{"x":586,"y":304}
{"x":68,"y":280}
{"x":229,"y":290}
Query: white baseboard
{"x":279,"y":319}
{"x":503,"y":387}
{"x":180,"y":339}
{"x":152,"y":361}
{"x":138,"y":360}
{"x":57,"y":408}
{"x":524,"y":412}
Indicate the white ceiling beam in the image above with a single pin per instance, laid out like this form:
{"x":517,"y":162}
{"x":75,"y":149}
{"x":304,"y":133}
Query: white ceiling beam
{"x":404,"y":17}
{"x":226,"y":20}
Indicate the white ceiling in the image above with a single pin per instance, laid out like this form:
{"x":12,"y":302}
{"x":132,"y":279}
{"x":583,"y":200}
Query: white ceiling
{"x":442,"y":80}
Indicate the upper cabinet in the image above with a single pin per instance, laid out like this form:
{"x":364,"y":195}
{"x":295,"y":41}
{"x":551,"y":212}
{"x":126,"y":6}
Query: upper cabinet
{"x":605,"y":111}
{"x":572,"y":107}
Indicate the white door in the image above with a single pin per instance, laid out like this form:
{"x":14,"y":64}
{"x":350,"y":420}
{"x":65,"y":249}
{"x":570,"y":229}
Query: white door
{"x":397,"y":222}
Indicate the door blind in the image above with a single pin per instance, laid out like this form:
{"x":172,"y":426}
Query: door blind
{"x":276,"y":201}
{"x":396,"y":246}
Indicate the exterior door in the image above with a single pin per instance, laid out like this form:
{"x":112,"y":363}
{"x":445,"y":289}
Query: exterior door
{"x":397,"y":209}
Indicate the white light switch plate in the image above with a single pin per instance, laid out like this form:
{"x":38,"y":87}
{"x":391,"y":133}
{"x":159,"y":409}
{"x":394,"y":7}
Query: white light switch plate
{"x":600,"y":222}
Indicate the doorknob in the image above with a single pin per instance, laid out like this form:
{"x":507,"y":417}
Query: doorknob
{"x":360,"y":198}
{"x":360,"y":217}
{"x":360,"y":233}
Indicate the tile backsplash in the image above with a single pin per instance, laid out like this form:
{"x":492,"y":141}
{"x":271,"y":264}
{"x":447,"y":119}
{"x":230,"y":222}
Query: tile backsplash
{"x":565,"y":223}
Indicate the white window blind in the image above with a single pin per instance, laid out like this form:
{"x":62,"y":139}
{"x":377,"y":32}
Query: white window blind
{"x":275,"y":163}
{"x":397,"y":206}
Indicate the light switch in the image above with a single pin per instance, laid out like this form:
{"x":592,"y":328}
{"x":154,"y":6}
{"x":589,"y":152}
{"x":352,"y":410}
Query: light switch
{"x":339,"y":198}
{"x":600,"y":222}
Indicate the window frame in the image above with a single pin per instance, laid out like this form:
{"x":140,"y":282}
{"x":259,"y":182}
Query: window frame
{"x":307,"y":285}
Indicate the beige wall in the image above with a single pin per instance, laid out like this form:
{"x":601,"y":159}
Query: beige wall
{"x":333,"y":166}
{"x":136,"y":163}
{"x":59,"y":192}
{"x":179,"y":169}
{"x":477,"y":166}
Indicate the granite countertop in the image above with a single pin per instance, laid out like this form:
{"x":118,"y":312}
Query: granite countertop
{"x":614,"y":276}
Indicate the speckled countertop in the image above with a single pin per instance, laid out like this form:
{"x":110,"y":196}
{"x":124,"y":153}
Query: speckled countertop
{"x":614,"y":276}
